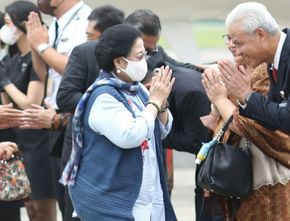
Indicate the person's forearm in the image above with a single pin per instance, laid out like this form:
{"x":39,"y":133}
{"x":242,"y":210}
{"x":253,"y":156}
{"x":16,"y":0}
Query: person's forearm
{"x":5,"y":98}
{"x":39,"y":65}
{"x":270,"y":114}
{"x":34,"y":95}
{"x":163,"y":117}
{"x":226,"y":109}
{"x":55,"y":60}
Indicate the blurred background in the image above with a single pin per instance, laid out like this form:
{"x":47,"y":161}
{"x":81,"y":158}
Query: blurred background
{"x":191,"y":29}
{"x":191,"y":32}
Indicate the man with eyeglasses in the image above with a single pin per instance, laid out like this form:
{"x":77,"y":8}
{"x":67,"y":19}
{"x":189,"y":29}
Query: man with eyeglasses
{"x":148,"y":24}
{"x":255,"y":37}
{"x":227,"y":40}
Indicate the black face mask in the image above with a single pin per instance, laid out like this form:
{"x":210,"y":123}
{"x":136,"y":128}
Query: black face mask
{"x":45,"y":7}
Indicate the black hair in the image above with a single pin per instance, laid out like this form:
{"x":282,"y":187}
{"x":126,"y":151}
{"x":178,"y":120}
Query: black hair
{"x":145,"y":21}
{"x":115,"y":42}
{"x":12,"y":49}
{"x":2,"y":22}
{"x":19,"y":11}
{"x":105,"y":17}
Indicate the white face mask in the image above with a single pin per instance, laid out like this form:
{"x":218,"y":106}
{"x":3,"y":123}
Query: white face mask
{"x":9,"y":35}
{"x":136,"y":70}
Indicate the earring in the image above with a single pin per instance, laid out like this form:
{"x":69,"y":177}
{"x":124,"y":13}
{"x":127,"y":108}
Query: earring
{"x":118,"y":71}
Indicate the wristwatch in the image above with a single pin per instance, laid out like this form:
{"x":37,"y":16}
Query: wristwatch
{"x":42,"y":48}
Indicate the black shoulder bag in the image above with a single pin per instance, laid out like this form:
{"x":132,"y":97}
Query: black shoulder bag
{"x":227,"y":169}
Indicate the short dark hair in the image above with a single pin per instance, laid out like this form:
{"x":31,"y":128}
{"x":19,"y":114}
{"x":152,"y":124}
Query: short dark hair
{"x":2,"y":21}
{"x":145,"y":21}
{"x":115,"y":42}
{"x":19,"y":11}
{"x":106,"y":16}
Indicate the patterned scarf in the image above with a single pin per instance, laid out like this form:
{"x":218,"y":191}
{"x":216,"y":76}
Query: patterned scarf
{"x":275,"y":144}
{"x":71,"y":168}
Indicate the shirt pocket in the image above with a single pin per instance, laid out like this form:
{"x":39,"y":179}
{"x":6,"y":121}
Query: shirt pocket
{"x":64,"y":46}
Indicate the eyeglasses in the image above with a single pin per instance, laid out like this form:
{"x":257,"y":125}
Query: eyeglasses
{"x":138,"y":57}
{"x":153,"y":51}
{"x":234,"y":43}
{"x":227,"y":39}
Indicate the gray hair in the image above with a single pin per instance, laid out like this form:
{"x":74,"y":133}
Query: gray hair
{"x":252,"y":15}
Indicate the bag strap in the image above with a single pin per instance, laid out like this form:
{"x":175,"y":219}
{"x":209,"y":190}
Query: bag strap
{"x":220,"y":134}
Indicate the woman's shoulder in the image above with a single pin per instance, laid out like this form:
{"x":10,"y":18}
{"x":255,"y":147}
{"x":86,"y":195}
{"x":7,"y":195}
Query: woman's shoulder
{"x":107,"y":92}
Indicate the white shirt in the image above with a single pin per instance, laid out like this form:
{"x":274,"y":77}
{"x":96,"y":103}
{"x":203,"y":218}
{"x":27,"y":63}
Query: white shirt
{"x":3,"y":53}
{"x":279,"y":50}
{"x":112,"y":119}
{"x":71,"y":32}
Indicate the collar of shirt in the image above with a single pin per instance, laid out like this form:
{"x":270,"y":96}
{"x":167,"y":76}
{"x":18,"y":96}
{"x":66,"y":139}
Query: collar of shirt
{"x":279,"y":49}
{"x":64,"y":19}
{"x":3,"y":53}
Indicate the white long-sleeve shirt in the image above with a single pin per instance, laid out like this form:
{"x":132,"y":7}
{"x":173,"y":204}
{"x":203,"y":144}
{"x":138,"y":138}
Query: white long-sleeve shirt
{"x":71,"y":32}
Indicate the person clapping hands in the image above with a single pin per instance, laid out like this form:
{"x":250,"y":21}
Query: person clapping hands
{"x":9,"y":117}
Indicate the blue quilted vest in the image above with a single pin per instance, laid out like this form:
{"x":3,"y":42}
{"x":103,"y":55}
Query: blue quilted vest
{"x":109,"y":177}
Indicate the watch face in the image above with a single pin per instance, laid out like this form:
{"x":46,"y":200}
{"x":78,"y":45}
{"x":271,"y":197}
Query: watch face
{"x":42,"y":47}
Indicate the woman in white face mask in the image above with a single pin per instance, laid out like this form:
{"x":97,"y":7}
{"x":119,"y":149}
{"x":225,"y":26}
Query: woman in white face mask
{"x":9,"y":33}
{"x":3,"y":53}
{"x":23,"y":88}
{"x":115,"y":172}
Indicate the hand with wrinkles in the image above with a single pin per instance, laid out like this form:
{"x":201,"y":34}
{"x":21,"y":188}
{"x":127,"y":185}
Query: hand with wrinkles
{"x":9,"y":117}
{"x":237,"y":79}
{"x":7,"y":149}
{"x":37,"y":33}
{"x":37,"y":117}
{"x":161,"y":86}
{"x":213,"y":85}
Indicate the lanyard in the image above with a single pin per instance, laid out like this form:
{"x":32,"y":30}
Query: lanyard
{"x":58,"y":36}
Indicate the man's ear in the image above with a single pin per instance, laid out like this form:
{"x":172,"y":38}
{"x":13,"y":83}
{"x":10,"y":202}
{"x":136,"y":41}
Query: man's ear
{"x":262,"y":35}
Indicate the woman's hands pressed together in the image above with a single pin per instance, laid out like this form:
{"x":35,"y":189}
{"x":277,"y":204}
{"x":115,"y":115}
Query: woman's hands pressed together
{"x":161,"y":86}
{"x":214,"y":85}
{"x":237,"y":79}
